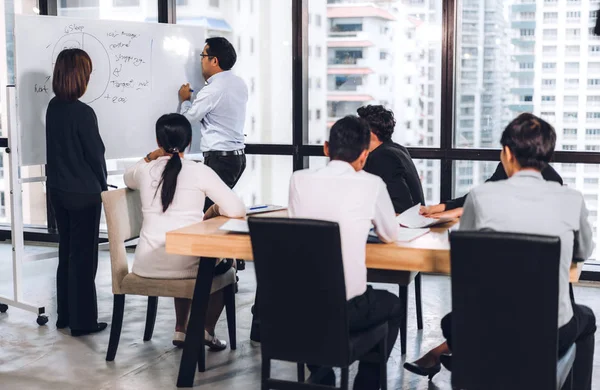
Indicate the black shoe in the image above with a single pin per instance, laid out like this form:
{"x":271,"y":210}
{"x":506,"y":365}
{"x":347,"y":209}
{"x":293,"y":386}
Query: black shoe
{"x":446,"y":361}
{"x":60,"y":324}
{"x":213,"y":343}
{"x":423,"y":371}
{"x":83,"y":332}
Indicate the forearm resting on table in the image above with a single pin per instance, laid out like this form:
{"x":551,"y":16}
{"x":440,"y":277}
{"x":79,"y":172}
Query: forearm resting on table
{"x":212,"y":212}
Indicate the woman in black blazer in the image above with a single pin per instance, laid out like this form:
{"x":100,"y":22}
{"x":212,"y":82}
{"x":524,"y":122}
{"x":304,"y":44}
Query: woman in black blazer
{"x":76,"y":175}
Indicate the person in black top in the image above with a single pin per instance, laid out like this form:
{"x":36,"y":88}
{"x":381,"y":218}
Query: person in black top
{"x":391,"y":161}
{"x":453,"y":208}
{"x":76,"y":175}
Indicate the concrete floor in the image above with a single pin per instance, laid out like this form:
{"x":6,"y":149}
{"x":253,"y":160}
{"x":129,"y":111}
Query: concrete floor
{"x":33,"y":357}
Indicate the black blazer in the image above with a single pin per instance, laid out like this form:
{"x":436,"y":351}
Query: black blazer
{"x":548,"y":173}
{"x":74,"y":149}
{"x":393,"y":164}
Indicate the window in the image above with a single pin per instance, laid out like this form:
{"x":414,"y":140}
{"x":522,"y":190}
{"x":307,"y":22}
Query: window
{"x":592,"y":148}
{"x":550,"y":16}
{"x":594,"y":67}
{"x":592,"y":133}
{"x":573,"y":33}
{"x":595,"y":83}
{"x":526,"y":65}
{"x":550,"y":33}
{"x":570,"y":117}
{"x":572,"y":50}
{"x":269,"y":83}
{"x":318,"y":20}
{"x":549,"y":49}
{"x":571,"y":101}
{"x":573,"y":16}
{"x":549,"y":66}
{"x":548,"y":83}
{"x":362,"y":74}
{"x":571,"y":83}
{"x":593,"y":100}
{"x":595,"y":50}
{"x":593,"y":116}
{"x":548,"y":98}
{"x":569,"y":147}
{"x":570,"y":133}
{"x":527,"y":32}
{"x":572,"y":67}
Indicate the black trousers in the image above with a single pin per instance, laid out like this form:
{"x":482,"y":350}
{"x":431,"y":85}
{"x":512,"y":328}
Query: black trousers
{"x":229,"y":169}
{"x":580,"y":330}
{"x":78,"y":221}
{"x":372,"y":308}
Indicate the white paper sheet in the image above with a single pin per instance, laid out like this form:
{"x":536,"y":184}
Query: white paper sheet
{"x":236,"y":226}
{"x":412,"y":219}
{"x":406,"y":234}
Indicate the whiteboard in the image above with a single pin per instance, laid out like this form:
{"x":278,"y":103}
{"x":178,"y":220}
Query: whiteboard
{"x":137,"y":71}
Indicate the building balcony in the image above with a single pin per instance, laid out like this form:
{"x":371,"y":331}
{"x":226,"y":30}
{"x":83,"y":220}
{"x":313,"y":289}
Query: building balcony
{"x":529,"y":6}
{"x":359,"y":42}
{"x":523,"y":24}
{"x":522,"y":90}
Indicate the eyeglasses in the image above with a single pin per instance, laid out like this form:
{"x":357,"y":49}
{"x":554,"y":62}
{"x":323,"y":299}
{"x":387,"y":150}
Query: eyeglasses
{"x":206,"y":55}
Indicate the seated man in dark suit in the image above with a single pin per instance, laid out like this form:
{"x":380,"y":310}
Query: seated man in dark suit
{"x":453,"y":208}
{"x":391,"y":161}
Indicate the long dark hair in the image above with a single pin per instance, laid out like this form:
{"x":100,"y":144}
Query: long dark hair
{"x":173,"y":134}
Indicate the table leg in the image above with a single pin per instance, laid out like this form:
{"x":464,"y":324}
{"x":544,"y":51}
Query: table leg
{"x":193,"y":350}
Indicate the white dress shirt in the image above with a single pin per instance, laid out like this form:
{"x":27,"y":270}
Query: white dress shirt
{"x":354,"y":200}
{"x":194,"y":183}
{"x":219,"y":111}
{"x":526,"y":203}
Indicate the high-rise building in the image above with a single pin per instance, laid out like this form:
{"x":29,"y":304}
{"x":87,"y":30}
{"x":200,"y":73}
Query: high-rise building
{"x":556,"y":74}
{"x":481,"y":72}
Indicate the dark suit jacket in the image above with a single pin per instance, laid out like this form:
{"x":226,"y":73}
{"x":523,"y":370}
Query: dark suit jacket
{"x":548,"y":173}
{"x":393,"y":164}
{"x":74,"y":150}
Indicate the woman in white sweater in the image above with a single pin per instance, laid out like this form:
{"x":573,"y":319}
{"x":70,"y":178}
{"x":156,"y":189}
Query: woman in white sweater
{"x":173,"y":191}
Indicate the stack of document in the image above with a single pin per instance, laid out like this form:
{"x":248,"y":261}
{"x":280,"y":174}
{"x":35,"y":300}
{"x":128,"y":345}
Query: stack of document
{"x":404,"y":235}
{"x":263,"y":208}
{"x":235,"y":226}
{"x":412,"y":219}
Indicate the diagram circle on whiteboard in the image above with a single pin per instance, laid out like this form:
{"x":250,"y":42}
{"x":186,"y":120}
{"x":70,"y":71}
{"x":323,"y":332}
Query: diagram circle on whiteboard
{"x":100,"y":77}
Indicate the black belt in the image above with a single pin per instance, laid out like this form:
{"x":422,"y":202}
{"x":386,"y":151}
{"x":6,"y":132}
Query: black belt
{"x":214,"y":153}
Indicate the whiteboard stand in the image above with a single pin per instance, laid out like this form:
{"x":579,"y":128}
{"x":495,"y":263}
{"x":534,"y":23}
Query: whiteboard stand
{"x":16,"y":221}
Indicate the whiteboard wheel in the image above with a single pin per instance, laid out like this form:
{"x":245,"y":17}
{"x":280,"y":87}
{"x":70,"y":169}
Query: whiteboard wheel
{"x":42,"y":320}
{"x":3,"y":308}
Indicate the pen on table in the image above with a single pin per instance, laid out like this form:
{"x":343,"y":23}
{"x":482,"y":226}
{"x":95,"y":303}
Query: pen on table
{"x":259,"y":207}
{"x":111,"y":186}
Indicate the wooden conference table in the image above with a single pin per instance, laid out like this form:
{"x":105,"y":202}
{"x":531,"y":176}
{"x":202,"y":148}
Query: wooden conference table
{"x":429,"y":253}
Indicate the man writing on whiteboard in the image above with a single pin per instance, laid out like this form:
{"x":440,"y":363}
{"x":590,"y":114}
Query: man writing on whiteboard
{"x":220,"y":110}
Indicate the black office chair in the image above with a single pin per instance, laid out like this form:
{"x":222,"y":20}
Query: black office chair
{"x":505,"y":312}
{"x":302,"y":305}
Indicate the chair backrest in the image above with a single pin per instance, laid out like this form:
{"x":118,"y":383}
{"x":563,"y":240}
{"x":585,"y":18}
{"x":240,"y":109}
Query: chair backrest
{"x":301,"y":290}
{"x":504,"y":310}
{"x":123,"y":210}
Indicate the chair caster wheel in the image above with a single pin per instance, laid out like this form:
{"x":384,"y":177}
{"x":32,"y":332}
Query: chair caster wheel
{"x":3,"y":308}
{"x":42,"y":320}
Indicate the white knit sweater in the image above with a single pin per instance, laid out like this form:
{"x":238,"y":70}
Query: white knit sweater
{"x":195,"y":182}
